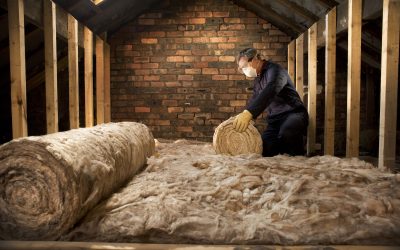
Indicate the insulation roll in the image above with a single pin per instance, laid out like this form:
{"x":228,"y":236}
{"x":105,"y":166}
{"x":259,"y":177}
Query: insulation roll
{"x":227,"y":141}
{"x":47,"y":183}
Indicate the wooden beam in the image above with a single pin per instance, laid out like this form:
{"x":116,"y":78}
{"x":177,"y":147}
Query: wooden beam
{"x":265,"y":12}
{"x":34,"y":14}
{"x":17,"y":68}
{"x":389,"y":82}
{"x":330,"y":81}
{"x":64,"y":245}
{"x":370,"y":98}
{"x":73,"y":71}
{"x":291,"y":59}
{"x":353,"y":79}
{"x":300,"y":66}
{"x":99,"y":80}
{"x":107,"y":84}
{"x":88,"y":44}
{"x":328,"y":3}
{"x":303,"y":12}
{"x":40,"y":77}
{"x":312,"y":88}
{"x":50,"y":57}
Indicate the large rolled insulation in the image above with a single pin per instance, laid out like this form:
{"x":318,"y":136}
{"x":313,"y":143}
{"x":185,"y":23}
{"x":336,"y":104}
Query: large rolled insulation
{"x":47,"y":183}
{"x":189,"y":194}
{"x":227,"y":141}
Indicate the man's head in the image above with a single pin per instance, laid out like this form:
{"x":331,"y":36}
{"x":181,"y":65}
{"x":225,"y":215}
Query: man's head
{"x":248,"y":62}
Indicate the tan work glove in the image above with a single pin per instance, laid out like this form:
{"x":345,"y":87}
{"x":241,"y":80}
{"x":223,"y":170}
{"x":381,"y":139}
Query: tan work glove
{"x":242,"y":121}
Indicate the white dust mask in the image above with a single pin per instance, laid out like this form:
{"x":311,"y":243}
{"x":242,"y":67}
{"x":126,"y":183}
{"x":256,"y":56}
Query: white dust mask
{"x":250,"y":71}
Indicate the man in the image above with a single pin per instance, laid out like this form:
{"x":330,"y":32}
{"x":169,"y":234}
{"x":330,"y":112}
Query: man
{"x":273,"y":90}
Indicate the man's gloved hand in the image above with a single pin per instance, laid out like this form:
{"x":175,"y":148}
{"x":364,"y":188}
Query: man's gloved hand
{"x":242,"y":121}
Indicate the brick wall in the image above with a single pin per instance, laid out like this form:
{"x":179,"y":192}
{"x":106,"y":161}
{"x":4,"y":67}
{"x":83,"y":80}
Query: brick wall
{"x":174,"y":69}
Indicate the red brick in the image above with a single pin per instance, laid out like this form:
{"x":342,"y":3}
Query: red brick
{"x":192,"y":71}
{"x":157,"y":84}
{"x":183,"y":52}
{"x":174,"y":34}
{"x":149,"y":40}
{"x":201,"y":39}
{"x":151,"y":78}
{"x":192,"y":109}
{"x":204,"y":14}
{"x":184,"y":129}
{"x":134,"y":66}
{"x":261,"y":45}
{"x":162,"y":122}
{"x":233,"y":27}
{"x":150,"y":65}
{"x":142,"y":72}
{"x":183,"y":40}
{"x":237,"y":77}
{"x":141,"y":59}
{"x":200,"y":52}
{"x":209,"y":58}
{"x":175,"y":109}
{"x":208,"y":33}
{"x":226,"y":109}
{"x":200,"y":65}
{"x":189,"y":58}
{"x":199,"y":20}
{"x":142,"y":109}
{"x":227,"y":58}
{"x":210,"y":71}
{"x":218,"y":39}
{"x":191,"y":33}
{"x":237,"y":103}
{"x":232,"y":20}
{"x":220,"y":14}
{"x":175,"y":59}
{"x":185,"y":77}
{"x":173,"y":84}
{"x":219,"y":77}
{"x":170,"y":103}
{"x":226,"y":46}
{"x":157,"y":34}
{"x":228,"y":71}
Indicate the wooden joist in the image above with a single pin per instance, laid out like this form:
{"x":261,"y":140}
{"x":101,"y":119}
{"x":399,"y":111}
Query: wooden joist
{"x":312,"y":88}
{"x":107,"y":84}
{"x":50,"y":57}
{"x":99,"y":80}
{"x":73,"y":70}
{"x":330,"y":81}
{"x":291,"y":59}
{"x":300,"y":66}
{"x":389,"y":82}
{"x":88,"y":44}
{"x":17,"y":68}
{"x":353,"y":79}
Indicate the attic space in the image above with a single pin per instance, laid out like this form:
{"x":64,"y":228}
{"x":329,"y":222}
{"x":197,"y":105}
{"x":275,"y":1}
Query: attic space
{"x":199,"y":114}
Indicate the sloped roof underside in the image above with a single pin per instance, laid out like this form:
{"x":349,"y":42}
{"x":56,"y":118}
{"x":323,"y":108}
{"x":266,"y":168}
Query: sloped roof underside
{"x":291,"y":16}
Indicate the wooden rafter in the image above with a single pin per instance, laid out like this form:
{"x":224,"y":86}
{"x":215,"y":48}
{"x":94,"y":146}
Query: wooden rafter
{"x":299,"y":10}
{"x":328,"y":3}
{"x":263,"y":11}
